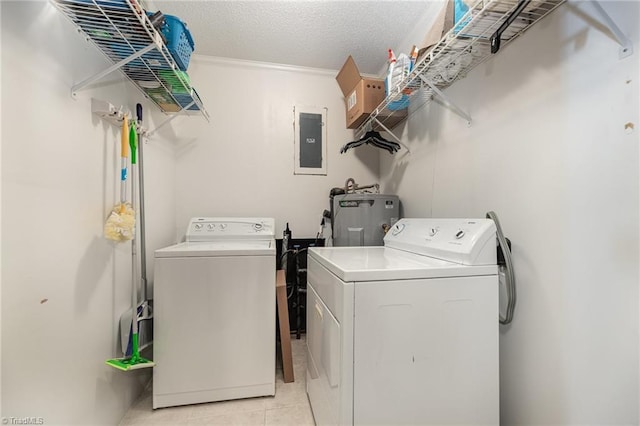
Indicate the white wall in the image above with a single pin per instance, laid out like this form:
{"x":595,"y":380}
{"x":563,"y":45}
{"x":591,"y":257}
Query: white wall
{"x":0,"y":226}
{"x":241,"y":163}
{"x":64,"y":286}
{"x":548,"y":151}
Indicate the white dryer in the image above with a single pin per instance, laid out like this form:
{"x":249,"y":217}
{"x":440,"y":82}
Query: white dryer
{"x":406,"y":334}
{"x":214,"y":325}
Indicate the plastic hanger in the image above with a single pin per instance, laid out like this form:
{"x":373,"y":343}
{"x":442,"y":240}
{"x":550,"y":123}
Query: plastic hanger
{"x":374,"y":138}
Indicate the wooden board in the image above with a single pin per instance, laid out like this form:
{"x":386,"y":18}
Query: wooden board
{"x":283,"y":320}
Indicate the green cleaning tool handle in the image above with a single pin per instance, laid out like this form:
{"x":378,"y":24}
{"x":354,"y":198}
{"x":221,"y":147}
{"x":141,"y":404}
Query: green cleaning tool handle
{"x":133,"y":142}
{"x":124,"y":153}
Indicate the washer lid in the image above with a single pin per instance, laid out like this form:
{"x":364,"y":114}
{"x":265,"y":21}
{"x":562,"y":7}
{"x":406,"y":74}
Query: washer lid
{"x":219,"y":248}
{"x":385,"y":264}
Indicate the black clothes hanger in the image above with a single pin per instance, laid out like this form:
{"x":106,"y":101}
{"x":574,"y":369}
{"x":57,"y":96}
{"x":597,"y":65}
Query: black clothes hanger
{"x":374,"y":138}
{"x":380,"y":142}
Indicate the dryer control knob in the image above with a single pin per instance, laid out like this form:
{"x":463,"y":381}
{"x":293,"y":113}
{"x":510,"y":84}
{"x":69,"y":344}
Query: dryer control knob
{"x":198,"y":226}
{"x":257,"y":226}
{"x":459,"y":234}
{"x":397,"y":228}
{"x":223,"y":226}
{"x":211,"y":226}
{"x":433,"y":231}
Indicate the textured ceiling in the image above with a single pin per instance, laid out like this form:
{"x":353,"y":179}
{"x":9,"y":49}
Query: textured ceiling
{"x":318,"y":34}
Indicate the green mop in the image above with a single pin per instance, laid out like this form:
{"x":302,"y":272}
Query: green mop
{"x":135,"y":361}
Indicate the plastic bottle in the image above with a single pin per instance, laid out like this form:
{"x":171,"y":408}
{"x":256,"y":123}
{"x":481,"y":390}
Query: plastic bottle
{"x":399,"y":69}
{"x":414,"y":57}
{"x":389,"y":80}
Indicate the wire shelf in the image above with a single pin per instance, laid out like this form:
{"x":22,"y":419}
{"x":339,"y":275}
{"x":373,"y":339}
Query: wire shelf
{"x":121,"y":30}
{"x":465,"y":46}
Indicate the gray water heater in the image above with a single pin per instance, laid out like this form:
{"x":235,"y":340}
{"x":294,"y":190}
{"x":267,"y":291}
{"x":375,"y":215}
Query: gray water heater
{"x":361,"y":219}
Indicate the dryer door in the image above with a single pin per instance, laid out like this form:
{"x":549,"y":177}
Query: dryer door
{"x":323,"y":361}
{"x":426,"y":352}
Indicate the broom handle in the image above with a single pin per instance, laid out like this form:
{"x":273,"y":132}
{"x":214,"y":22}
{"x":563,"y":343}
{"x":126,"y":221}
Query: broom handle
{"x":134,"y":276}
{"x":143,"y":248}
{"x":133,"y":142}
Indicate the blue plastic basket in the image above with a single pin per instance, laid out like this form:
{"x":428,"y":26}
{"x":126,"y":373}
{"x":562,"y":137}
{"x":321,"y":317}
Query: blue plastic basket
{"x":185,"y":99}
{"x":399,"y":103}
{"x":179,"y":40}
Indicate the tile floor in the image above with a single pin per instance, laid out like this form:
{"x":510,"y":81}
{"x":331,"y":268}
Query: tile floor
{"x":290,"y":405}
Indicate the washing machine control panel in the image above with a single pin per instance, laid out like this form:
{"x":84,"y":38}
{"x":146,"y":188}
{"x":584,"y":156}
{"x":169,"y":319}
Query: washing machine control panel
{"x":220,"y":228}
{"x":465,"y":241}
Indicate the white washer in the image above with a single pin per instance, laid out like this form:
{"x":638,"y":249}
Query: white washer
{"x":214,"y":313}
{"x":406,"y":334}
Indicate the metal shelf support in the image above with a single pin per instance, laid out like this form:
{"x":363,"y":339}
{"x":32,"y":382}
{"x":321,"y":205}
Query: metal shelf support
{"x":112,"y":68}
{"x":150,"y":133}
{"x":446,"y":100}
{"x":379,"y":123}
{"x":626,"y":47}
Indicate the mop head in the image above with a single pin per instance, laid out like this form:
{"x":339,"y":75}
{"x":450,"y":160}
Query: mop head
{"x":130,"y":363}
{"x":121,"y":223}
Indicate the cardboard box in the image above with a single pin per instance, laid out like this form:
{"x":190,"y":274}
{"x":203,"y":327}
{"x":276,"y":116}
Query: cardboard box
{"x":361,"y":95}
{"x":169,"y":107}
{"x":391,"y":119}
{"x":442,"y":24}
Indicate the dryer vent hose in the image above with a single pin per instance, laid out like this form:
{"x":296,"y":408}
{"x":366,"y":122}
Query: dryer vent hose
{"x":510,"y":277}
